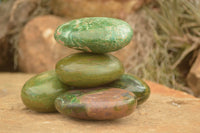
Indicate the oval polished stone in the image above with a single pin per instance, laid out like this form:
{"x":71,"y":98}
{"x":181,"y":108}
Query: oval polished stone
{"x":134,"y":85}
{"x":89,"y":70}
{"x":95,"y":34}
{"x":99,"y":104}
{"x":40,"y":92}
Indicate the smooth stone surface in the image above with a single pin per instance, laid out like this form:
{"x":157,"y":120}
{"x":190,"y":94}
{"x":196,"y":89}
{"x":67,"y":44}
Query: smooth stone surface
{"x":89,"y":70}
{"x":99,"y":104}
{"x":95,"y":34}
{"x":39,"y":92}
{"x":134,"y":85}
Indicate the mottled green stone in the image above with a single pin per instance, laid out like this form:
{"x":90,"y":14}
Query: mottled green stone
{"x":89,"y":70}
{"x":96,"y":103}
{"x":95,"y":34}
{"x":133,"y":84}
{"x":40,"y":92}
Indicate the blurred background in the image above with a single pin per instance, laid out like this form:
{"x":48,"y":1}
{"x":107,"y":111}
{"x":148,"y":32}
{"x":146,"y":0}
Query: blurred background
{"x":165,"y":47}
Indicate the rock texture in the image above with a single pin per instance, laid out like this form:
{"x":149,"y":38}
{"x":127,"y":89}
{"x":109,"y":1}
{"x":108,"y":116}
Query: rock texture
{"x":166,"y":111}
{"x":95,"y":34}
{"x":193,"y":78}
{"x":95,"y":8}
{"x":37,"y":49}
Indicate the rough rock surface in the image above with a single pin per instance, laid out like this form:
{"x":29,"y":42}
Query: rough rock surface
{"x":193,"y":78}
{"x":95,"y":8}
{"x":37,"y":49}
{"x":166,"y":111}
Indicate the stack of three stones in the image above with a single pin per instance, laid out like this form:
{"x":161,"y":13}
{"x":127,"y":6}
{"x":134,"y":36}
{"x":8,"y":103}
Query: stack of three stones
{"x":90,"y":84}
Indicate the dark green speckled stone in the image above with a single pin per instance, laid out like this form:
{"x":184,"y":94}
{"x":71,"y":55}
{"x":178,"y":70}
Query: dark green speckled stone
{"x":95,"y":34}
{"x":40,"y":92}
{"x":96,"y":103}
{"x":133,"y":84}
{"x":89,"y":70}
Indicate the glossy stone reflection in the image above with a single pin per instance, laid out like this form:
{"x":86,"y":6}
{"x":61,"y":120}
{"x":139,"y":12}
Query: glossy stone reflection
{"x":39,"y":92}
{"x":96,"y":104}
{"x":89,"y":70}
{"x":95,"y":34}
{"x":133,"y":84}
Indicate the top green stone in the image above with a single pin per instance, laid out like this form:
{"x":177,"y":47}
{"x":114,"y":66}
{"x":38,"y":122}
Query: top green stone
{"x":95,"y":34}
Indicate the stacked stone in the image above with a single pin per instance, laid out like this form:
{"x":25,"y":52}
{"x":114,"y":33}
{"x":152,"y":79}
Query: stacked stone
{"x":90,"y":84}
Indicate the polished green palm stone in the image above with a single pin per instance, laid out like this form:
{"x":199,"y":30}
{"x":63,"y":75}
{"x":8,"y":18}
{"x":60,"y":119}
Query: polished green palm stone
{"x":133,"y":84}
{"x":89,"y":70}
{"x":96,"y":103}
{"x":39,"y":92}
{"x":94,"y":34}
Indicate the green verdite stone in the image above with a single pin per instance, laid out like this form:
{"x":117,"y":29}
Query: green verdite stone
{"x":40,"y":92}
{"x":133,"y":84}
{"x":96,"y":103}
{"x":88,"y":70}
{"x":95,"y":34}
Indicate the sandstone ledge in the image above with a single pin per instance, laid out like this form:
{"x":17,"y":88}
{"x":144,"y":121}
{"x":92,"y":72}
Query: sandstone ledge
{"x":166,"y":111}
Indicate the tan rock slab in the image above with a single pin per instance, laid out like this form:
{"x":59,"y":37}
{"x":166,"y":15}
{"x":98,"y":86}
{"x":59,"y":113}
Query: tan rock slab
{"x":166,"y":111}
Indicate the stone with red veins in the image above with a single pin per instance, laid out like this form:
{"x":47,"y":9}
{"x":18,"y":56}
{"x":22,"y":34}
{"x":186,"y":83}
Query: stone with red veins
{"x":96,"y":103}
